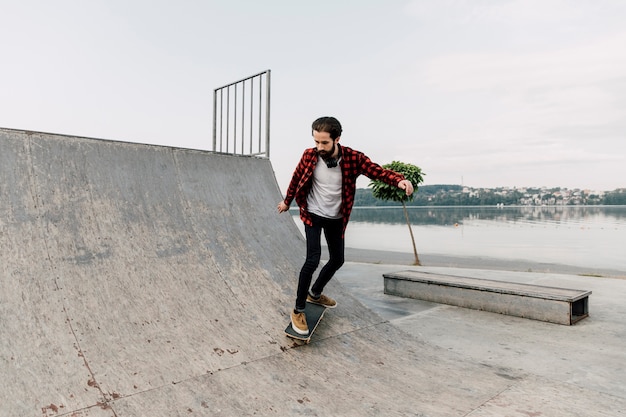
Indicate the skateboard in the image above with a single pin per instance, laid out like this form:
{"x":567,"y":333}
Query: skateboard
{"x":314,"y":314}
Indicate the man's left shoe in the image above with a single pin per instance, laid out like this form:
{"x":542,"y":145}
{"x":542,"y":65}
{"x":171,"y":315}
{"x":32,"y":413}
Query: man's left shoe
{"x":323,"y":301}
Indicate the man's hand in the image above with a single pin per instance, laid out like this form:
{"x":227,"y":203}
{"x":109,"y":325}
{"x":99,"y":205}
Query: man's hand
{"x":406,"y":186}
{"x":282,"y":207}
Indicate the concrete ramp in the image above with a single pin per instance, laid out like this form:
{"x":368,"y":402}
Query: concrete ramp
{"x":140,"y":280}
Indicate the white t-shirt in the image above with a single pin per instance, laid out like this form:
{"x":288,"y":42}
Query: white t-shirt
{"x":324,"y":199}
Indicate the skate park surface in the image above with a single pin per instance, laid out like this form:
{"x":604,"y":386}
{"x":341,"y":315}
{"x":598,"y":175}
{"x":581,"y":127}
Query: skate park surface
{"x":142,"y":280}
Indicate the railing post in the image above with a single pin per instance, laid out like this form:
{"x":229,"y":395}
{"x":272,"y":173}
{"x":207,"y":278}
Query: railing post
{"x":267,"y":114}
{"x":214,"y":120}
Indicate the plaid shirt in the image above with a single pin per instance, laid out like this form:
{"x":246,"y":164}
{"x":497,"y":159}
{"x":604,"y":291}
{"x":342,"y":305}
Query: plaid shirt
{"x":353,"y":163}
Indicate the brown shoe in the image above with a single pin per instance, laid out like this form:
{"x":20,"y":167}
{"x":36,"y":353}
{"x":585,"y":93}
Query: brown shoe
{"x":298,"y":322}
{"x":323,"y":301}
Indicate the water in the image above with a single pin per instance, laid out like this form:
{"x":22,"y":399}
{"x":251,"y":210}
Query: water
{"x":585,"y":236}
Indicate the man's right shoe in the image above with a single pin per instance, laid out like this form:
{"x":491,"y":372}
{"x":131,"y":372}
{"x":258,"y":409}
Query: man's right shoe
{"x":298,"y":322}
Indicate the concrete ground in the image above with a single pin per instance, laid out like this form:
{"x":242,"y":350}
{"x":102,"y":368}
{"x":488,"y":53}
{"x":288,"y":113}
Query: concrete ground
{"x":140,"y":280}
{"x":551,"y":366}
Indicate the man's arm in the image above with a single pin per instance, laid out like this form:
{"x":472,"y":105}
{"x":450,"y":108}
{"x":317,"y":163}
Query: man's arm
{"x":293,"y":184}
{"x":374,"y":171}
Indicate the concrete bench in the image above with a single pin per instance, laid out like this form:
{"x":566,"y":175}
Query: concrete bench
{"x":551,"y":304}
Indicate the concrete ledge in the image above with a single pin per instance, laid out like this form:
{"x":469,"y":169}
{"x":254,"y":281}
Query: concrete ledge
{"x":551,"y":304}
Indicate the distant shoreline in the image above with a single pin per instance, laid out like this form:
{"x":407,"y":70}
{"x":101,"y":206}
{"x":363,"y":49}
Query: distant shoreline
{"x":459,"y":195}
{"x":404,"y":258}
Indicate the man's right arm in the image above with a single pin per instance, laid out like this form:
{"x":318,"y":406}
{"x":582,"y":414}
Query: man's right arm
{"x":293,"y":184}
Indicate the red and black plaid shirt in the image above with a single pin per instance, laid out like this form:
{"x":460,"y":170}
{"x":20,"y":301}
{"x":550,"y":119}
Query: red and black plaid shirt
{"x":353,"y":163}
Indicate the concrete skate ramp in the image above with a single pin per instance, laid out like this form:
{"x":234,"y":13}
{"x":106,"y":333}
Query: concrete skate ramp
{"x":140,"y":280}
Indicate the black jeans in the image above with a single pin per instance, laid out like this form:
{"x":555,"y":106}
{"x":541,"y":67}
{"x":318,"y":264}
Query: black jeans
{"x":333,"y":231}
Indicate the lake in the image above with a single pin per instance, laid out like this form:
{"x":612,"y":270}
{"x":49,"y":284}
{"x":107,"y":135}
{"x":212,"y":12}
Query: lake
{"x":585,"y":236}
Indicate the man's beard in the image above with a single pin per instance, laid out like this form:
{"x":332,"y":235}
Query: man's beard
{"x":327,"y":154}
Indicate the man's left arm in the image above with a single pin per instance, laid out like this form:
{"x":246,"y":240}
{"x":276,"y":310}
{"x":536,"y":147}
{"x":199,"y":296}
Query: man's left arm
{"x":374,"y":171}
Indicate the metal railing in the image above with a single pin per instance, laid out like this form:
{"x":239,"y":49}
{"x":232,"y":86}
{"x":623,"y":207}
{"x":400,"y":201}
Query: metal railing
{"x":241,"y":116}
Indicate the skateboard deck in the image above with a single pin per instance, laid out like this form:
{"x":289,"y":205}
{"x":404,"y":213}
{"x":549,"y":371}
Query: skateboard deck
{"x":314,"y":314}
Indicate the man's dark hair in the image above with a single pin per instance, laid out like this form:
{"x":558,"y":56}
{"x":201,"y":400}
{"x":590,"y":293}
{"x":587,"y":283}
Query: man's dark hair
{"x":329,"y":125}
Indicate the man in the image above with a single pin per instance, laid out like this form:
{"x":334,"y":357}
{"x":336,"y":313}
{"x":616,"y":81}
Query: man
{"x":325,"y":194}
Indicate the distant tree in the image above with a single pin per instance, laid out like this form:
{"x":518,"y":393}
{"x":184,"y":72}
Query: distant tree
{"x":615,"y":197}
{"x":387,"y":192}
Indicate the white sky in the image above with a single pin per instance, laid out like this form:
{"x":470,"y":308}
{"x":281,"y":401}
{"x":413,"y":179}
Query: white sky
{"x":481,"y":92}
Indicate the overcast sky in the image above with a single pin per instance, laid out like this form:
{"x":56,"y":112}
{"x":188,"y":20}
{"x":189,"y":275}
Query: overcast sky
{"x":486,"y":93}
